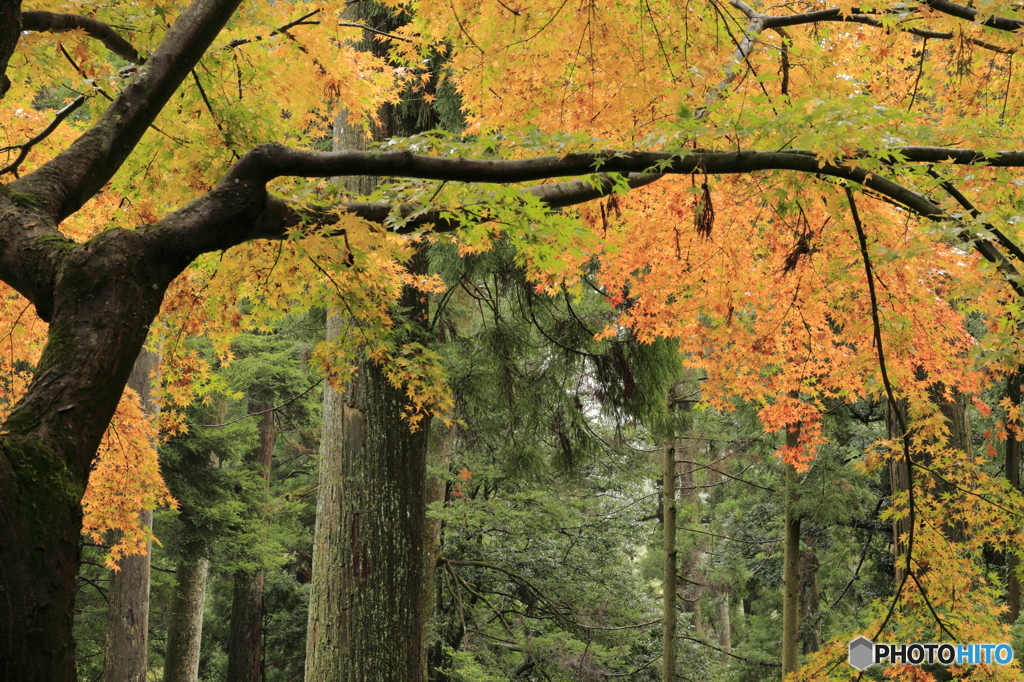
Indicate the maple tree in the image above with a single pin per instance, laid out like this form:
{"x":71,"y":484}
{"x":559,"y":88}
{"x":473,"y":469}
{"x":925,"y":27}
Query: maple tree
{"x":864,"y":212}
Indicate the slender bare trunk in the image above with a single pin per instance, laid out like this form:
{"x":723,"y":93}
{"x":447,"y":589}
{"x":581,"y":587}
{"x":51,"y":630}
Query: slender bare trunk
{"x":668,"y":548}
{"x":185,"y":629}
{"x":185,"y":626}
{"x":809,"y":601}
{"x":245,"y":644}
{"x":127,"y":641}
{"x":791,"y":570}
{"x":724,"y":627}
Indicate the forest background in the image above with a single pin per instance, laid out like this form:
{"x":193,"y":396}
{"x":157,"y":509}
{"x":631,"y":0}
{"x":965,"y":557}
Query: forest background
{"x":757,"y":397}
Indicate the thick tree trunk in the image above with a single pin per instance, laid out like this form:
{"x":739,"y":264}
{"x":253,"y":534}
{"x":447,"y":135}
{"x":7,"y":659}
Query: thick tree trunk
{"x":791,"y":571}
{"x":245,"y":645}
{"x":127,"y":640}
{"x":50,"y":440}
{"x":185,"y":629}
{"x":125,"y":651}
{"x":366,"y":600}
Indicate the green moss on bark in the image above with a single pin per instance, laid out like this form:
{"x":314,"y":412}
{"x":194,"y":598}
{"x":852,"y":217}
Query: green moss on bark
{"x":60,"y":347}
{"x":45,"y":489}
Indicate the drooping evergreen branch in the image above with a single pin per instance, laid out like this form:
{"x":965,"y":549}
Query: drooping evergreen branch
{"x":275,"y":408}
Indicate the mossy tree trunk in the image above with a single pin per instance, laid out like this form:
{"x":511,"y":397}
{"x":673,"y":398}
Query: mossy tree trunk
{"x":810,"y":603}
{"x":366,"y":600}
{"x":438,"y":456}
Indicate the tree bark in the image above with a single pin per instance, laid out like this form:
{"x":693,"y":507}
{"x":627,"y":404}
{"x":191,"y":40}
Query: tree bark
{"x":668,"y":549}
{"x":791,"y":570}
{"x":185,"y":629}
{"x":809,"y":601}
{"x":439,"y":456}
{"x":366,"y":600}
{"x":245,"y":644}
{"x":724,"y":624}
{"x":127,"y":641}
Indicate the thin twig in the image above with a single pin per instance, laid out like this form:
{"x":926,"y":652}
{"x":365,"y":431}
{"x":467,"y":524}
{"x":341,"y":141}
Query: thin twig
{"x":262,"y":412}
{"x":301,"y":21}
{"x":373,"y":30}
{"x":26,"y":147}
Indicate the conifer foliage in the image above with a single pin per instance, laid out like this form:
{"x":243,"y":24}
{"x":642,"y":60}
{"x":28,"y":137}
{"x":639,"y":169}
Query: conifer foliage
{"x":825,"y":210}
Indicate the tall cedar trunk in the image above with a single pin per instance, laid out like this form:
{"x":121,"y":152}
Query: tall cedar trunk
{"x":791,"y":570}
{"x":245,"y":639}
{"x":366,"y":599}
{"x":899,"y":478}
{"x":688,"y":455}
{"x":439,"y":456}
{"x":809,"y":601}
{"x":125,"y":653}
{"x":724,"y":624}
{"x":185,"y":629}
{"x":1013,"y":478}
{"x":668,"y":549}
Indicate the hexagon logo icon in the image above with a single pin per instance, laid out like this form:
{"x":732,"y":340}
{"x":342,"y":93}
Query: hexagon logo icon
{"x":862,"y":653}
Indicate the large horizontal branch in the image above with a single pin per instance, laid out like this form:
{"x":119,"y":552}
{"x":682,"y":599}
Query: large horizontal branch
{"x":273,"y":160}
{"x":239,"y":209}
{"x":971,"y":14}
{"x":282,"y":215}
{"x":57,"y":23}
{"x":269,"y":161}
{"x":777,"y":21}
